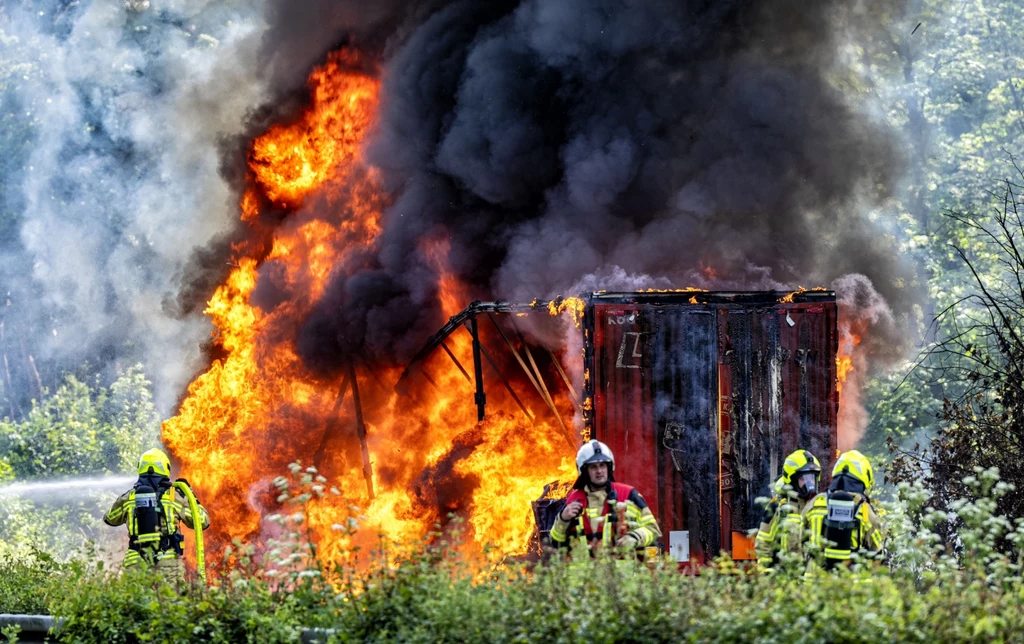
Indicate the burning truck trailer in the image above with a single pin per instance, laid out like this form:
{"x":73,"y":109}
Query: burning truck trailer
{"x":699,"y":394}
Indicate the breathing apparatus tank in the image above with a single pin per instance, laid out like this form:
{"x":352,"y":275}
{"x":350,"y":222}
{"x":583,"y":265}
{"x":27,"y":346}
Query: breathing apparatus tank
{"x":147,"y":521}
{"x":838,"y":526}
{"x":852,"y":480}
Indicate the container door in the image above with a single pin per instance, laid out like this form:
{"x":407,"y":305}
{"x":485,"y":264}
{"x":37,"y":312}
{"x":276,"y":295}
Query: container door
{"x":751,"y":417}
{"x":685,"y":377}
{"x":655,"y":385}
{"x":810,"y":404}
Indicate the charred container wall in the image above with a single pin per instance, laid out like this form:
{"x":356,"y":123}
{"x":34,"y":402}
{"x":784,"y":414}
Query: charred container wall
{"x":701,"y":395}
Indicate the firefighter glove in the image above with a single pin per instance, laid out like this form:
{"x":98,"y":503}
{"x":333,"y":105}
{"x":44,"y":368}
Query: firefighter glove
{"x":572,"y":510}
{"x":627,"y":541}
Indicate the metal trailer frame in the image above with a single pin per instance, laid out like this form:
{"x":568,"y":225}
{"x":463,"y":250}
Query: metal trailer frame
{"x":468,"y":319}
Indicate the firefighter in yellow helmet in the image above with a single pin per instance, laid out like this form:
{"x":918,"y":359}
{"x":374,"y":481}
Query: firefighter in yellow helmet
{"x":152,"y":509}
{"x":788,"y":515}
{"x":600,"y":511}
{"x":849,"y":521}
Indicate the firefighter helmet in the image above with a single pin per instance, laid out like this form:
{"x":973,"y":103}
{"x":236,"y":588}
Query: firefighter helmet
{"x":856,"y":465}
{"x":155,"y":461}
{"x":594,"y":451}
{"x":800,"y":461}
{"x":801,"y":470}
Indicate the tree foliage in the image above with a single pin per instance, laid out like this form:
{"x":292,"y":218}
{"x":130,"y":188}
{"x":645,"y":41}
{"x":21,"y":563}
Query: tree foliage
{"x":76,"y":431}
{"x":952,"y":82}
{"x":981,"y":347}
{"x":81,"y":430}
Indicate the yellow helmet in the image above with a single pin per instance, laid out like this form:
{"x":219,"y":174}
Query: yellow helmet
{"x":155,"y":461}
{"x":779,"y":486}
{"x":855,"y":464}
{"x":801,"y":470}
{"x":800,"y":461}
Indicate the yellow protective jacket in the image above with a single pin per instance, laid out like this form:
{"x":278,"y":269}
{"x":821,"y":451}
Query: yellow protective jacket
{"x":786,"y":526}
{"x":173,"y":509}
{"x":867,"y":535}
{"x":593,"y":527}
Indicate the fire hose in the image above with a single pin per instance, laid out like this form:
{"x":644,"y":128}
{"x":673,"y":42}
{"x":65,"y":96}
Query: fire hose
{"x":197,"y":522}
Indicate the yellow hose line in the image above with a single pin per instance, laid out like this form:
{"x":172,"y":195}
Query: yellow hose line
{"x":197,"y":522}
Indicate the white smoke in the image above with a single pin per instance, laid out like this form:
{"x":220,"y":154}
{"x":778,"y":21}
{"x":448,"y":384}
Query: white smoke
{"x":128,"y":103}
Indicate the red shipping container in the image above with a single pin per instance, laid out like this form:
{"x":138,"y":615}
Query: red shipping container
{"x":701,"y":395}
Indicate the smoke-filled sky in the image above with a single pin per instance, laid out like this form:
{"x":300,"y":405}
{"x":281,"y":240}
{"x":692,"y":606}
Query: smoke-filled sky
{"x":555,"y":145}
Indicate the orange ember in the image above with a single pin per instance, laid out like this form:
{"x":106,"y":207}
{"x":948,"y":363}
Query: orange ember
{"x":686,"y":289}
{"x":788,"y":297}
{"x":258,"y":407}
{"x":708,"y":271}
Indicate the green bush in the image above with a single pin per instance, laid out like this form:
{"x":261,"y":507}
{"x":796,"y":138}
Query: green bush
{"x":82,"y":429}
{"x":136,"y":606}
{"x":928,"y":589}
{"x":26,"y":581}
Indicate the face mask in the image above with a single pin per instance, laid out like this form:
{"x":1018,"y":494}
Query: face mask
{"x":847,"y":483}
{"x":807,"y":484}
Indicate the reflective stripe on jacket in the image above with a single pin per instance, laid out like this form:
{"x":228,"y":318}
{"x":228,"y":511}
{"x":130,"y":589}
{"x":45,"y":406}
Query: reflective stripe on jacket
{"x":174,"y":508}
{"x":785,"y":527}
{"x":594,"y":525}
{"x":866,"y":536}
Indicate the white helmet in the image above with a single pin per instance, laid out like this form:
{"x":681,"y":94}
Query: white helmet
{"x":594,"y":451}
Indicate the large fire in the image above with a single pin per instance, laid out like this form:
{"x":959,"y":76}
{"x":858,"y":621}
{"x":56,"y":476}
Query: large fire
{"x":405,"y":460}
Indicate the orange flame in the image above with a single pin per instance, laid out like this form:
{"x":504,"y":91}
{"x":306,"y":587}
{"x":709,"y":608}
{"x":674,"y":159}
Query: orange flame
{"x":844,"y":359}
{"x":290,"y":161}
{"x":574,"y":305}
{"x":844,"y":365}
{"x":788,"y":297}
{"x":851,"y":366}
{"x":258,"y":407}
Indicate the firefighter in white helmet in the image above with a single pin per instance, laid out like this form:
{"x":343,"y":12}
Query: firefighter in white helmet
{"x":600,"y":511}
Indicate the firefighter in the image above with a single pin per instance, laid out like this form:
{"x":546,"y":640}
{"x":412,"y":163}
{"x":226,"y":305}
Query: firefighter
{"x":152,"y":510}
{"x":600,"y":512}
{"x":849,"y":521}
{"x":791,"y":512}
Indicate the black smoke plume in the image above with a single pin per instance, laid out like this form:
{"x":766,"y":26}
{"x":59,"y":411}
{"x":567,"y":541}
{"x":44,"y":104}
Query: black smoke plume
{"x":555,"y":146}
{"x":615,"y":144}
